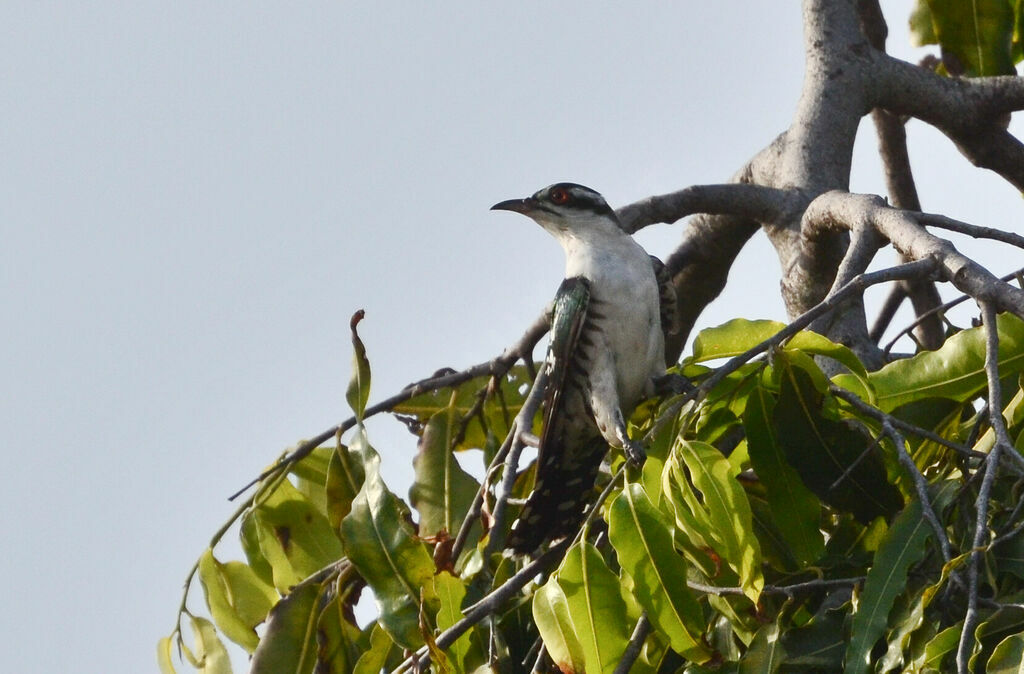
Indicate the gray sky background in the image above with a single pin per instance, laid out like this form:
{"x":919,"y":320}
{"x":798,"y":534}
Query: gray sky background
{"x":195,"y":197}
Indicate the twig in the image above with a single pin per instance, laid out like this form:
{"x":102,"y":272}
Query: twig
{"x":881,"y":416}
{"x":921,"y":487}
{"x":941,"y":309}
{"x":636,"y":642}
{"x":496,"y":367}
{"x":856,"y":285}
{"x":974,"y":231}
{"x":489,"y":604}
{"x":522,"y":424}
{"x":995,"y":406}
{"x":784,"y":590}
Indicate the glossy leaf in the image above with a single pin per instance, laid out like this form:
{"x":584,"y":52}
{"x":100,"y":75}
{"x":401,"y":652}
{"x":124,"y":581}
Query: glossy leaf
{"x":979,"y":34}
{"x":498,"y":412}
{"x":311,"y":474}
{"x":339,"y":641}
{"x":551,"y":613}
{"x":942,"y":645}
{"x":1005,"y":621}
{"x":393,"y":561}
{"x":822,"y":449}
{"x":904,"y":546}
{"x":375,"y":659}
{"x":955,"y":371}
{"x":288,"y":645}
{"x":707,"y":500}
{"x":597,"y":611}
{"x":1008,"y":656}
{"x":344,"y":478}
{"x":209,"y":652}
{"x":358,"y":392}
{"x":796,"y":511}
{"x":643,"y":543}
{"x":450,"y":592}
{"x":293,"y":536}
{"x":163,"y":656}
{"x":442,"y":491}
{"x":765,"y":654}
{"x":238,"y":600}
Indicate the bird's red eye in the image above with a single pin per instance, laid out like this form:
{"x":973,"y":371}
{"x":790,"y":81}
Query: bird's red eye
{"x":559,"y":196}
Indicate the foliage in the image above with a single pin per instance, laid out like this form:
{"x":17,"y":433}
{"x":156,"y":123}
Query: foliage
{"x":761,"y":554}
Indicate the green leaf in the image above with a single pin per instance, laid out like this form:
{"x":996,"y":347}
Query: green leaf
{"x":1008,"y":657}
{"x":393,"y":561}
{"x":903,"y":547}
{"x":501,"y":407}
{"x":376,"y":657}
{"x":765,"y":654}
{"x":450,"y":592}
{"x":551,"y":613}
{"x":1005,"y":621}
{"x":288,"y":645}
{"x":941,"y":645}
{"x":818,"y":644}
{"x":359,"y":386}
{"x":293,"y":536}
{"x":344,"y":478}
{"x":163,"y":656}
{"x":708,"y":500}
{"x":442,"y":491}
{"x":922,"y":29}
{"x":979,"y":34}
{"x":209,"y":652}
{"x":312,"y":476}
{"x":238,"y":600}
{"x":796,"y":511}
{"x":339,"y":641}
{"x":732,"y":338}
{"x":597,"y":611}
{"x":643,"y":543}
{"x":955,"y":371}
{"x":822,"y":449}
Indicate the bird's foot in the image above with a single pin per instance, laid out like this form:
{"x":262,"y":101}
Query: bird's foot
{"x":672,"y":384}
{"x":635,"y":452}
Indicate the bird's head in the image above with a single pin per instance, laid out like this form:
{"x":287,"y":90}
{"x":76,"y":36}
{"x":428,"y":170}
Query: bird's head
{"x":566,"y":210}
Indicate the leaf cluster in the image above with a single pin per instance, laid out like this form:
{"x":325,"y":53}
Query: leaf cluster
{"x":772,"y":528}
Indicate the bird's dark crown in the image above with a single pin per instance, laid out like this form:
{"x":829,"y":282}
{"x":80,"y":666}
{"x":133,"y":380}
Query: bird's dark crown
{"x":572,"y":196}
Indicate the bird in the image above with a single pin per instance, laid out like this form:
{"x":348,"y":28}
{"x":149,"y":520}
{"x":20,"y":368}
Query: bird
{"x":605,"y":352}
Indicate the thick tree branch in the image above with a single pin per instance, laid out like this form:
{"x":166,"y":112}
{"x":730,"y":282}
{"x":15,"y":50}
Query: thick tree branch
{"x":752,"y":202}
{"x":906,"y":232}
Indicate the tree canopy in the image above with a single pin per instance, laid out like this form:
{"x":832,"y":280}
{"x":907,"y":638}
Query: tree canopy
{"x":818,"y":501}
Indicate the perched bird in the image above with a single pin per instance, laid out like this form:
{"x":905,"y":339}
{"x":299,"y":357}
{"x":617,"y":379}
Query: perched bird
{"x":606,"y":349}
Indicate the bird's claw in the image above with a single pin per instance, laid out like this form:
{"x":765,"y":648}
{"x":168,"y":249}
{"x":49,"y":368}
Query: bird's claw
{"x":672,"y":384}
{"x":635,"y":453}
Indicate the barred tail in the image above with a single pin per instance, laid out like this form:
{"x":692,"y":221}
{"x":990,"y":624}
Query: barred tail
{"x":563,"y":489}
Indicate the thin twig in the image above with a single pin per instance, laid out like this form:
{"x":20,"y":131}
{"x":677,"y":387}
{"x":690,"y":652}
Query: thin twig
{"x":881,"y":416}
{"x":974,"y":231}
{"x":497,"y":367}
{"x":785,"y":590}
{"x":523,"y":422}
{"x":995,"y":406}
{"x":636,"y":642}
{"x":940,"y":310}
{"x":856,"y":286}
{"x":489,"y":604}
{"x":921,"y":487}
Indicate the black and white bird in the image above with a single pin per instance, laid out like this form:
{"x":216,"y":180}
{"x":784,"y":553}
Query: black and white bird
{"x":606,"y":349}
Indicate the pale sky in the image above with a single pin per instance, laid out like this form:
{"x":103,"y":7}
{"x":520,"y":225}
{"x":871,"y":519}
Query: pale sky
{"x":195,"y":197}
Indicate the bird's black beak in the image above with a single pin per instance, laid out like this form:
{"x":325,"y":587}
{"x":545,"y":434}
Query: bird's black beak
{"x":516,"y":205}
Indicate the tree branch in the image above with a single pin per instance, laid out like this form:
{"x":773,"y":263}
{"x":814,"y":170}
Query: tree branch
{"x":995,"y":406}
{"x":748,"y":201}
